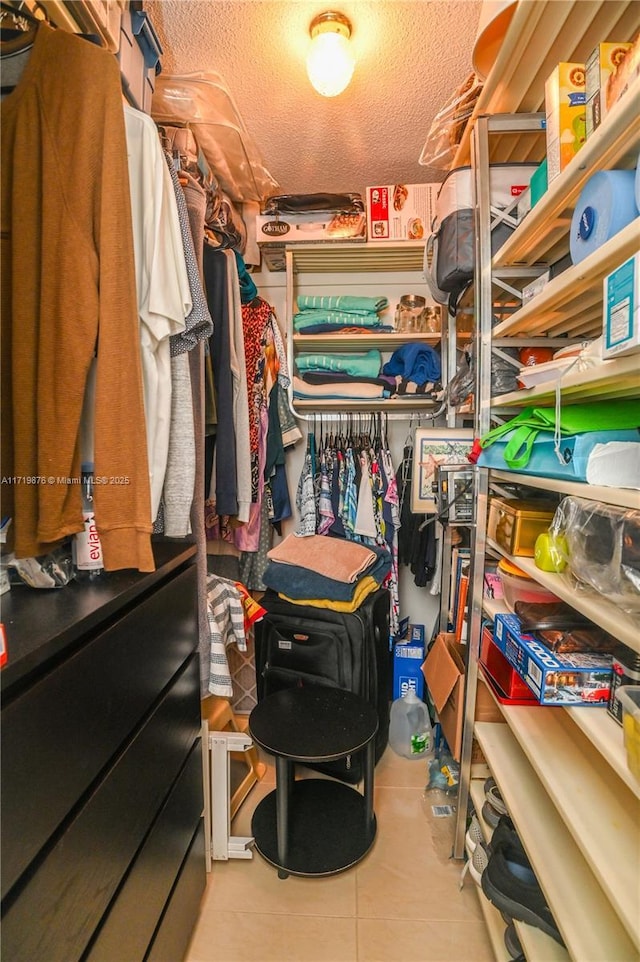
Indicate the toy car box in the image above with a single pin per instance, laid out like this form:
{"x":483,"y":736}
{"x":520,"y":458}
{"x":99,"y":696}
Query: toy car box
{"x":568,"y":679}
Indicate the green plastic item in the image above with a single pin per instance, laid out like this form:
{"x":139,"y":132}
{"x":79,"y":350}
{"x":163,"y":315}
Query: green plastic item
{"x":574,"y":419}
{"x":538,"y":183}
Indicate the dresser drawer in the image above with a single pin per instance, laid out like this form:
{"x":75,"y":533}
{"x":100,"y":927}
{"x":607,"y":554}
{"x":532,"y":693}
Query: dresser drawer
{"x":131,"y":921}
{"x":181,"y":915}
{"x":54,"y":915}
{"x":60,"y":734}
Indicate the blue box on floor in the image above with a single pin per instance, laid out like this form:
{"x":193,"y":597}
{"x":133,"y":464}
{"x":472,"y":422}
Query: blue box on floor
{"x":555,"y":679}
{"x":408,"y":655}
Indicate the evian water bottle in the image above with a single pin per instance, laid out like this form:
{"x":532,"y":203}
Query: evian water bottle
{"x":87,"y":550}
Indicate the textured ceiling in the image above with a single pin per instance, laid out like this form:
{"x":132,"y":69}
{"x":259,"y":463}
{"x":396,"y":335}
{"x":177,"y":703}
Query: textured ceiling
{"x":410,"y":56}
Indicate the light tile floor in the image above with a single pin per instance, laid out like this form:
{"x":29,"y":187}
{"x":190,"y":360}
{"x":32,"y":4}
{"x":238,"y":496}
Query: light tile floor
{"x":402,"y":903}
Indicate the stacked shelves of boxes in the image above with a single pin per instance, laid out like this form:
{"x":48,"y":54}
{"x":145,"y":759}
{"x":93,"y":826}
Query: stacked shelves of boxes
{"x":561,"y":770}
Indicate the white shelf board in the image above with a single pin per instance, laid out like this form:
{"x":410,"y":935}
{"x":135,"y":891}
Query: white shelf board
{"x":494,"y":606}
{"x":597,"y":608}
{"x":615,"y":378}
{"x":601,"y":815}
{"x":623,"y":497}
{"x":589,"y":926}
{"x":394,"y":405}
{"x":606,"y":736}
{"x":538,"y":946}
{"x":565,"y":299}
{"x":495,"y":926}
{"x":371,"y":341}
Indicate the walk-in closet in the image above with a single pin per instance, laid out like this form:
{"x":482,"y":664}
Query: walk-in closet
{"x":320,"y":481}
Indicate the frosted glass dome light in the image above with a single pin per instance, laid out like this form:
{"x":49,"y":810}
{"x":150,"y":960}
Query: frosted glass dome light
{"x":330,"y":60}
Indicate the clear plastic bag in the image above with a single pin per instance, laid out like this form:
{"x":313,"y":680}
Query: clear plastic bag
{"x":602,"y":548}
{"x":449,"y":125}
{"x":203,"y":101}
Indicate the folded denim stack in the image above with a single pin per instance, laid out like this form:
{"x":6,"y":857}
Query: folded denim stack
{"x":326,"y":572}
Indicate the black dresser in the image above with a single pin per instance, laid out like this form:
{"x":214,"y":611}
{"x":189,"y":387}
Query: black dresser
{"x":102,"y":796}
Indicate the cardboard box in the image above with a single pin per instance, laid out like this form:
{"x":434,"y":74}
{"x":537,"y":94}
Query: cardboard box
{"x":444,"y":670}
{"x":408,"y":655}
{"x":600,"y":67}
{"x":621,"y":315}
{"x":401,"y":212}
{"x":565,"y":108}
{"x":555,"y":679}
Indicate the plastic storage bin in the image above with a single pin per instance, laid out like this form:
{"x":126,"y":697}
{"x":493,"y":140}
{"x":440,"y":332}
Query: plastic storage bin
{"x":629,"y":698}
{"x":515,"y":524}
{"x":518,"y":586}
{"x":139,"y":57}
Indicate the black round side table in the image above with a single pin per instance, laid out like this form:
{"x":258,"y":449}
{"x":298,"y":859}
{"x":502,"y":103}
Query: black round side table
{"x":314,"y":826}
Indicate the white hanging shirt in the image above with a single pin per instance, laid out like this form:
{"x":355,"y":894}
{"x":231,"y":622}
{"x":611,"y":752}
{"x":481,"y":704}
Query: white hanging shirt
{"x":164,"y":297}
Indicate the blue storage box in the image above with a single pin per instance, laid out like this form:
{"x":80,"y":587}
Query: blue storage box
{"x":543,"y":462}
{"x":408,"y":655}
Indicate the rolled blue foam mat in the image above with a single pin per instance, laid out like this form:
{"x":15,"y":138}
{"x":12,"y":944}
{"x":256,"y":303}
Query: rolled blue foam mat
{"x":605,"y":205}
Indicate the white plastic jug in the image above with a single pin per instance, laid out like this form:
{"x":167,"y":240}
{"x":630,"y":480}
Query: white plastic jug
{"x":410,"y":731}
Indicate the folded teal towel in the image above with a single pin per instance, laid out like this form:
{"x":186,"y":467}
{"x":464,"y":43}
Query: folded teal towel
{"x":353,"y":305}
{"x":340,"y":318}
{"x":359,"y":365}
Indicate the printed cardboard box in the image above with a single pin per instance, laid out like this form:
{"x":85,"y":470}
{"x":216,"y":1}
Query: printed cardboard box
{"x":555,"y":679}
{"x":601,"y":67}
{"x":401,"y":212}
{"x":408,"y":655}
{"x":565,"y":107}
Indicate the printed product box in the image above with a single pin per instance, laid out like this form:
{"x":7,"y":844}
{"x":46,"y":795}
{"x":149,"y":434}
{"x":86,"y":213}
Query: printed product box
{"x":555,"y":679}
{"x":401,"y":212}
{"x":408,"y":655}
{"x":564,"y":99}
{"x":275,"y":231}
{"x":600,"y":69}
{"x":621,"y":315}
{"x":444,"y":670}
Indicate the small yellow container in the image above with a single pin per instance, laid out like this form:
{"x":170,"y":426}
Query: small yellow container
{"x":629,"y":698}
{"x":515,"y":524}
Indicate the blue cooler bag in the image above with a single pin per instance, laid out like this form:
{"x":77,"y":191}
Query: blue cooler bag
{"x":543,"y":461}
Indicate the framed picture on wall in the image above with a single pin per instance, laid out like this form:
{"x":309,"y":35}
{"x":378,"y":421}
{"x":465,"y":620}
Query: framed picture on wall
{"x":431,"y":447}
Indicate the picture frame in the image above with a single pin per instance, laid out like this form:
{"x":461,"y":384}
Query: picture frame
{"x":431,"y":447}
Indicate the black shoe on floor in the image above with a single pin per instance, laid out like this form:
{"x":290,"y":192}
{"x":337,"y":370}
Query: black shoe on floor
{"x":511,"y":885}
{"x":512,"y":942}
{"x":503,"y":833}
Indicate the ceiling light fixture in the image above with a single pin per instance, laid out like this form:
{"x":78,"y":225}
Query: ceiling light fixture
{"x":330,"y":60}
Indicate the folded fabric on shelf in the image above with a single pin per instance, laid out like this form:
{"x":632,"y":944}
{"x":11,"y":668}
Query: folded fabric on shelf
{"x":299,"y":582}
{"x":333,"y":377}
{"x":365,"y":364}
{"x":352,"y":389}
{"x":342,"y":302}
{"x":338,"y":319}
{"x":414,"y":362}
{"x":334,"y":329}
{"x":332,"y":557}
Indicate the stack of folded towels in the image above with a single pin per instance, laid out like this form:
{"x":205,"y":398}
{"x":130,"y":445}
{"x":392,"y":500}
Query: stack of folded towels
{"x":326,"y":572}
{"x":330,"y":314}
